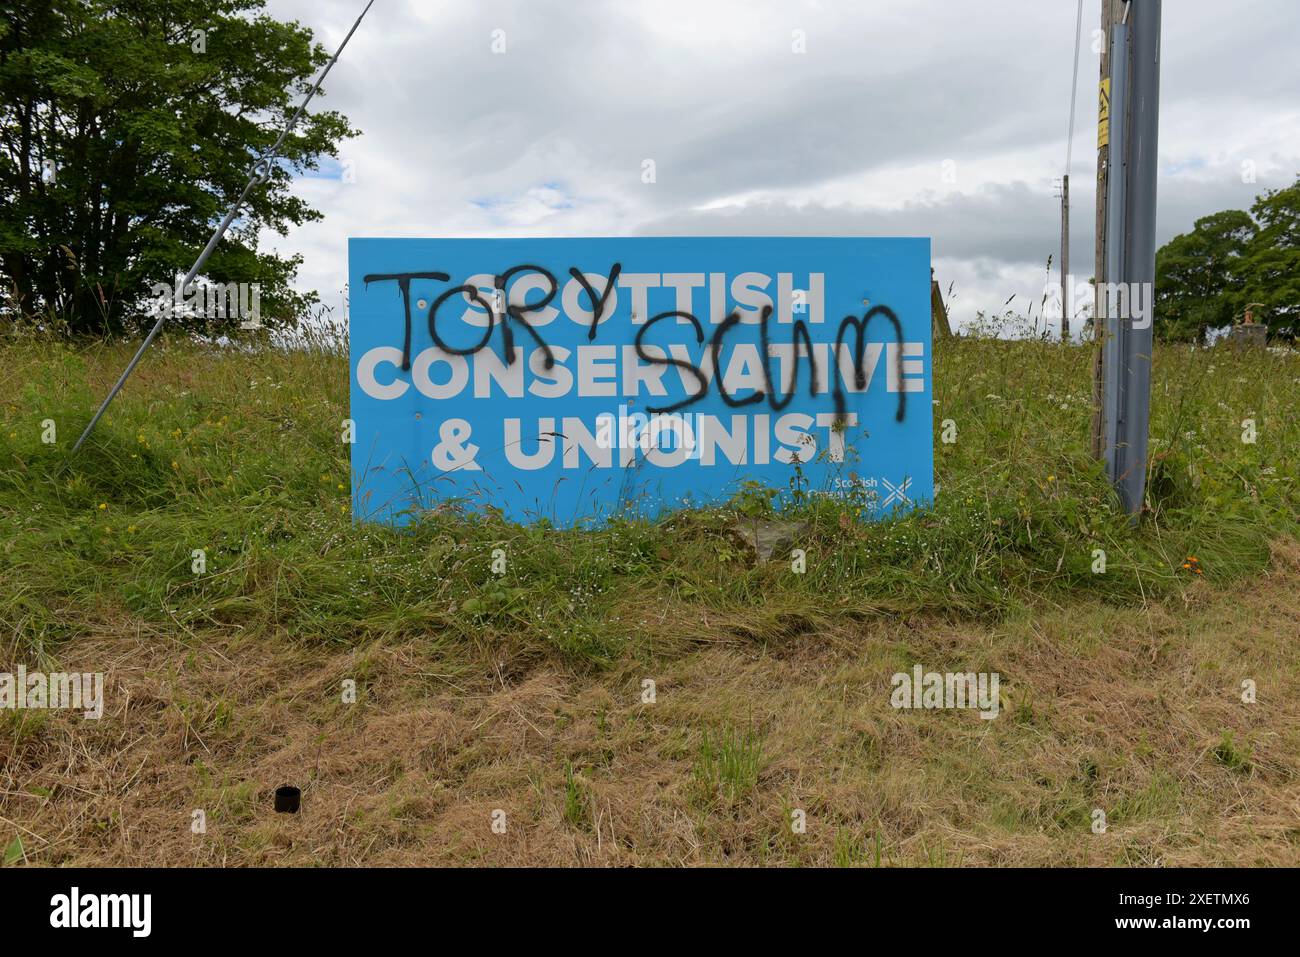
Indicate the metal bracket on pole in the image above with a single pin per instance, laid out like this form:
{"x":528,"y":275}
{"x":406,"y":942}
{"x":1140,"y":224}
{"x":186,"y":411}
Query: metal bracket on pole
{"x":259,"y":173}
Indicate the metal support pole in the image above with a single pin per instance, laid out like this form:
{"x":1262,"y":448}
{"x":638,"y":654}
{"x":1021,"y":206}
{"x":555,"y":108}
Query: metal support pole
{"x":1130,"y":247}
{"x":259,"y":173}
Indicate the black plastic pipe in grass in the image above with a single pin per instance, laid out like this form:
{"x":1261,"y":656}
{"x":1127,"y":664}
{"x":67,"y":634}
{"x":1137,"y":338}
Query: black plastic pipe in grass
{"x":287,"y":799}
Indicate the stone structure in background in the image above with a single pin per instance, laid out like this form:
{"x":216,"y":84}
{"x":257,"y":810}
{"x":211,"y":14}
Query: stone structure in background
{"x":1248,"y":332}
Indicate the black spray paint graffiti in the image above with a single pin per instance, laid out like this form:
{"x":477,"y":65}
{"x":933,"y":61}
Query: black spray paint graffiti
{"x":514,"y":315}
{"x":404,"y":284}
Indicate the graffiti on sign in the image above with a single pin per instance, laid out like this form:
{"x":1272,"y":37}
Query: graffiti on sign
{"x":576,"y":379}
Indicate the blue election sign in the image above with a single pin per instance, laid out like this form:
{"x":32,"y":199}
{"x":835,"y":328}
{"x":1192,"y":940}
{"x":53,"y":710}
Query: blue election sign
{"x":577,"y":379}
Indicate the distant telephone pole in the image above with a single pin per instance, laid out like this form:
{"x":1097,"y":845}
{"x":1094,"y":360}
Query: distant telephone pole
{"x":1066,"y":297}
{"x":1066,"y":290}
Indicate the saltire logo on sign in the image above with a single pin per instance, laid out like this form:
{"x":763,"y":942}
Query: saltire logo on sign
{"x":573,"y":380}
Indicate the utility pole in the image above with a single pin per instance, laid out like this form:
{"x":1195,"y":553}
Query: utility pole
{"x":1067,"y":291}
{"x":1130,"y":265}
{"x":1111,"y":12}
{"x":1066,"y":294}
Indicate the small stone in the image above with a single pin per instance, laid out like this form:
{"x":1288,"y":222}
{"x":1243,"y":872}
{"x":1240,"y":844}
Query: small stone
{"x":769,"y":538}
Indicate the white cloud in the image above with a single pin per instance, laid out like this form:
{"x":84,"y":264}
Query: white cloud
{"x":749,"y":136}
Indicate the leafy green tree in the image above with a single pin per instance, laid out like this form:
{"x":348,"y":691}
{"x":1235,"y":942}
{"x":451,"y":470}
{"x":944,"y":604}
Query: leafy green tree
{"x":1197,"y":284}
{"x":1270,"y":272}
{"x":1205,"y":279}
{"x":127,"y":129}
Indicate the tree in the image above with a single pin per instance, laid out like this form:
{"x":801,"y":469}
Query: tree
{"x":1270,"y":272}
{"x":1197,"y":285}
{"x":127,"y":129}
{"x":1205,"y":279}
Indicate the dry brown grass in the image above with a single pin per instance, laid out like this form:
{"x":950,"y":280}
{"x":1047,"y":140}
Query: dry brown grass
{"x":1114,"y":708}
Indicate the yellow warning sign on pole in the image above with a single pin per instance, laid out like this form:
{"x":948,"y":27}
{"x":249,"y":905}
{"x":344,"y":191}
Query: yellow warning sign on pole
{"x":1103,"y":114}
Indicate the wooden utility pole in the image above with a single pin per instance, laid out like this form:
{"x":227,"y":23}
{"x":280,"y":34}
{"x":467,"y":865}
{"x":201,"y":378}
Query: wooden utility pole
{"x":938,"y":311}
{"x":1111,"y":12}
{"x":1066,"y":296}
{"x":1067,"y":292}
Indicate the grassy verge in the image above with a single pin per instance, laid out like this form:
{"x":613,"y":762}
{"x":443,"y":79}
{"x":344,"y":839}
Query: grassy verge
{"x":524,"y":689}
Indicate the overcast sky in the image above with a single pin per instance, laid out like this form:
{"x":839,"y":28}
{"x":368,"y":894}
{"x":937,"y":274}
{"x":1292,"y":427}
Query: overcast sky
{"x":939,"y":118}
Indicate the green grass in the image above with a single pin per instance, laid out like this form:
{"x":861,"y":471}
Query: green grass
{"x":1232,"y":755}
{"x":238,"y":454}
{"x":13,"y":852}
{"x":577,"y":811}
{"x":856,"y":850}
{"x":727,"y":766}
